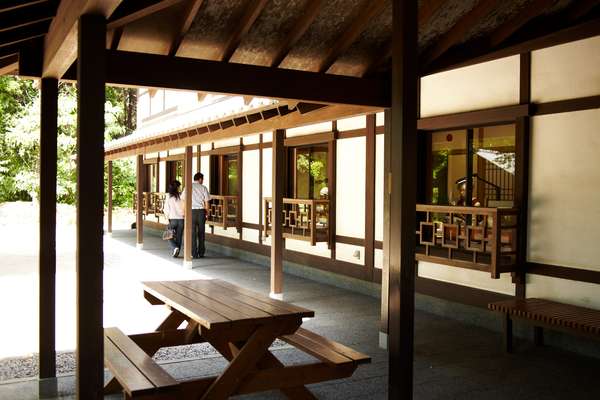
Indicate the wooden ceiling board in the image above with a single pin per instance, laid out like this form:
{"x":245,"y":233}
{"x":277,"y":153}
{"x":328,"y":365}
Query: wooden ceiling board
{"x":443,"y":20}
{"x":268,"y":32}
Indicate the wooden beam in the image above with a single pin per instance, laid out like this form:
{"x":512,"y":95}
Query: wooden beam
{"x":403,"y":167}
{"x":540,"y":38}
{"x":130,"y":11}
{"x":260,"y":188}
{"x":458,"y":31}
{"x":505,"y":31}
{"x":9,"y":64}
{"x":370,"y":193}
{"x":253,"y":10}
{"x":60,"y":45}
{"x":332,"y":189}
{"x":310,"y":12}
{"x":127,"y":68}
{"x":278,"y":184}
{"x":190,"y":12}
{"x":27,"y":15}
{"x":370,"y":10}
{"x":8,"y":5}
{"x":47,"y":242}
{"x":187,"y":223}
{"x":385,"y":245}
{"x":90,"y":198}
{"x":139,"y":217}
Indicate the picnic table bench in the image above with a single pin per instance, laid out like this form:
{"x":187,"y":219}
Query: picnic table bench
{"x":547,"y":314}
{"x":241,"y":325}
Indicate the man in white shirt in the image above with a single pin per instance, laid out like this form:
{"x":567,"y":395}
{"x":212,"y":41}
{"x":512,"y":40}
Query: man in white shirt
{"x":200,"y":198}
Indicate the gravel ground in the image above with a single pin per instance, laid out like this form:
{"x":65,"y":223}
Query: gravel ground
{"x":27,"y":367}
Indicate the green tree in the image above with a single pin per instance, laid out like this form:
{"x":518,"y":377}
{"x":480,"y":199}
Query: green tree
{"x":19,"y":140}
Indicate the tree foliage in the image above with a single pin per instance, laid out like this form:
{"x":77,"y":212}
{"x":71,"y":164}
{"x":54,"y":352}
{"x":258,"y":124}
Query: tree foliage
{"x":20,"y":133}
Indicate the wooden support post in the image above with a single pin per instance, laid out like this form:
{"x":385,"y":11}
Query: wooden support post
{"x":47,"y":249}
{"x":276,"y":217}
{"x":260,"y":188}
{"x":110,"y":197}
{"x":139,"y":218}
{"x":331,"y":183}
{"x":187,"y":224}
{"x":402,"y":214}
{"x":240,"y":190}
{"x":370,"y":196}
{"x":91,"y":73}
{"x":387,"y":154}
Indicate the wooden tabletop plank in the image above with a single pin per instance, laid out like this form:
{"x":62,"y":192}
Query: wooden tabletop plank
{"x":206,"y":288}
{"x":133,"y":379}
{"x":204,"y":316}
{"x":280,"y":304}
{"x":223,"y":309}
{"x":152,"y":371}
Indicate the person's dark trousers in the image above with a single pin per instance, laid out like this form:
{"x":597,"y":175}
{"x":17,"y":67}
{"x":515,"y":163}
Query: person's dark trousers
{"x":176,"y":242}
{"x":198,"y":225}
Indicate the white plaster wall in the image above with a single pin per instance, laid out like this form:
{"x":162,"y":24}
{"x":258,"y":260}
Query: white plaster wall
{"x":564,"y":197}
{"x":350,"y":189}
{"x":467,"y":277}
{"x":227,"y":142}
{"x":205,"y":164}
{"x":251,"y":139}
{"x":267,"y":172}
{"x":379,"y":189}
{"x":179,"y":150}
{"x":320,"y":249}
{"x":229,"y":232}
{"x":380,"y":119}
{"x":309,"y":129}
{"x":250,"y":235}
{"x":345,"y":252}
{"x":566,"y":71}
{"x":490,"y":84}
{"x":562,"y":290}
{"x":162,"y":176}
{"x":348,"y":124}
{"x":378,"y":260}
{"x":250,"y":189}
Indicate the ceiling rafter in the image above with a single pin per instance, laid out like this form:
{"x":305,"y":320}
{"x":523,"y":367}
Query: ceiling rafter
{"x":8,"y":5}
{"x":24,"y":33}
{"x":370,"y":10}
{"x":253,"y":10}
{"x":427,"y":10}
{"x":130,"y":11}
{"x":457,"y":33}
{"x":27,"y":15}
{"x":9,"y":64}
{"x":506,"y":30}
{"x":309,"y":14}
{"x":190,"y":12}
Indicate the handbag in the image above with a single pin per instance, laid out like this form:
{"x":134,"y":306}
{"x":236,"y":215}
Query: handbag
{"x":168,"y":234}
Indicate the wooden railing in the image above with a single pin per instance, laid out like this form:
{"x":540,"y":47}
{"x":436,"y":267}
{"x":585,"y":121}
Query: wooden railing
{"x":302,"y":219}
{"x":223,"y":211}
{"x":483,"y":239}
{"x":152,"y":203}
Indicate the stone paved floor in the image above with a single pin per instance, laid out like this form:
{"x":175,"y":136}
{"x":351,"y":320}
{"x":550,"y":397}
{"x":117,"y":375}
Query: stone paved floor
{"x":452,"y":360}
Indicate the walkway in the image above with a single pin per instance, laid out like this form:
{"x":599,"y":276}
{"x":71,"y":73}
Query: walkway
{"x":452,"y":361}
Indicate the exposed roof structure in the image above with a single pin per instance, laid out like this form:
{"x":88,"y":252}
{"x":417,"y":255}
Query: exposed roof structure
{"x":345,"y":37}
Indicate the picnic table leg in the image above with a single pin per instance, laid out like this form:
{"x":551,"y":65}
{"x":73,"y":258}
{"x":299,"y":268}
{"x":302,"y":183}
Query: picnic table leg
{"x":173,"y":320}
{"x":538,"y":335}
{"x":508,"y":333}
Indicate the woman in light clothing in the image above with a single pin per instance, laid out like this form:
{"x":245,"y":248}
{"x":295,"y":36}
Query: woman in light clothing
{"x":174,"y":209}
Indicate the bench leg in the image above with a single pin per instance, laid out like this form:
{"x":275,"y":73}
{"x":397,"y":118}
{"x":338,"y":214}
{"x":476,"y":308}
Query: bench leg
{"x":538,"y":335}
{"x":508,"y":333}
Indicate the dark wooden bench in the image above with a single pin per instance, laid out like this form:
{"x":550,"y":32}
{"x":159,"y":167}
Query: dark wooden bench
{"x":341,"y":358}
{"x":547,"y":314}
{"x":138,"y":375}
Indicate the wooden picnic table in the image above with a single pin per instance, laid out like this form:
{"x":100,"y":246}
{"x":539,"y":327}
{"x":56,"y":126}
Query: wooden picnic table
{"x":241,"y":325}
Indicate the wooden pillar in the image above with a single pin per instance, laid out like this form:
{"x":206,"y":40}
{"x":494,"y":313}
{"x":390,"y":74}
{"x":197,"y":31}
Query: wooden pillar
{"x":370,"y":196}
{"x":110,"y":197}
{"x":91,"y":77}
{"x":387,"y":154}
{"x":139,"y":218}
{"x":403,"y":168}
{"x":331,"y":187}
{"x":187,"y":225}
{"x":260,"y":188}
{"x":240,"y":190}
{"x":276,"y":219}
{"x":521,"y":183}
{"x":47,"y":239}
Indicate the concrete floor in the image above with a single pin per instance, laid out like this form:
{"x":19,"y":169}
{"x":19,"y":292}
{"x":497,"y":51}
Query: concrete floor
{"x":452,"y":360}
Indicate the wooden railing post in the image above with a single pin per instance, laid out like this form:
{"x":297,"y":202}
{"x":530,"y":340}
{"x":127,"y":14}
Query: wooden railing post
{"x":313,"y":223}
{"x":277,"y":243}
